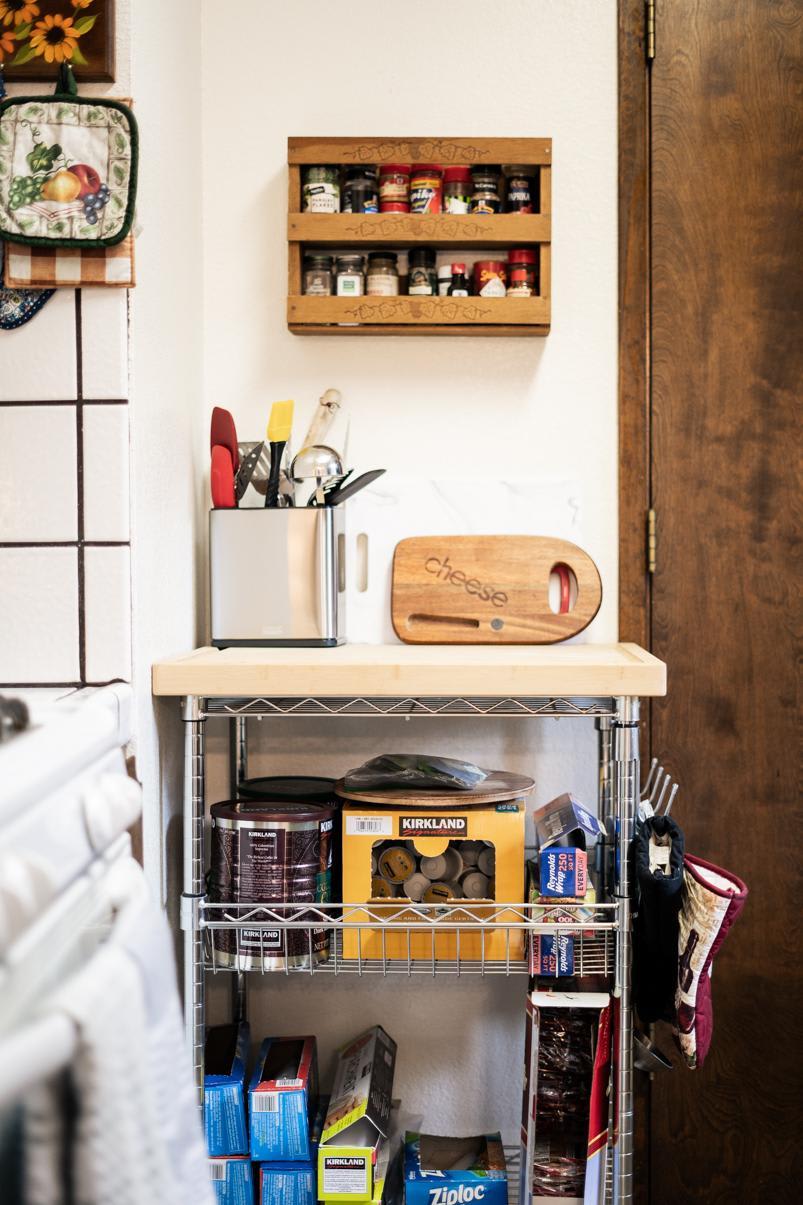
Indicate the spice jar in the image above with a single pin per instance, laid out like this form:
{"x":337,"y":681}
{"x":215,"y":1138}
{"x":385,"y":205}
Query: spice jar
{"x":521,"y":273}
{"x":485,"y":197}
{"x":349,"y":276}
{"x":489,"y":278}
{"x":321,"y":189}
{"x":457,"y":189}
{"x":522,"y":190}
{"x":426,"y":189}
{"x":394,"y":188}
{"x":360,"y":191}
{"x":383,"y":275}
{"x":444,"y":279}
{"x":423,"y":281}
{"x":318,"y":275}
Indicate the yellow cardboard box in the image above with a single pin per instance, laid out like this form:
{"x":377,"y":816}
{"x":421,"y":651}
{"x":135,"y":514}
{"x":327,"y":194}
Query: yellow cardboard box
{"x":368,"y":828}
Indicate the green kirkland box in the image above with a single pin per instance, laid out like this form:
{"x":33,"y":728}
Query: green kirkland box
{"x":358,"y":1117}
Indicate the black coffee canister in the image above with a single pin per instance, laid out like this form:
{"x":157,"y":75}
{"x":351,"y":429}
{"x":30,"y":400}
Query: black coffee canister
{"x":271,"y":853}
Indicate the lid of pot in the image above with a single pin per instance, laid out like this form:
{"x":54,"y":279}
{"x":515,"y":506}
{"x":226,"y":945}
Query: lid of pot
{"x":276,"y":788}
{"x":282,"y":811}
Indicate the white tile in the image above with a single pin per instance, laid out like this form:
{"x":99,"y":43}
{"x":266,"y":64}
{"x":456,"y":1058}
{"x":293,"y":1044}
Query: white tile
{"x":38,"y":471}
{"x":38,"y":359}
{"x":38,"y":615}
{"x":107,"y":607}
{"x":104,"y":343}
{"x":106,"y":473}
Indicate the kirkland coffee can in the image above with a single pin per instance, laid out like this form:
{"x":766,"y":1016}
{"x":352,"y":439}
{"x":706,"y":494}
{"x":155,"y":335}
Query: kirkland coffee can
{"x":270,"y":853}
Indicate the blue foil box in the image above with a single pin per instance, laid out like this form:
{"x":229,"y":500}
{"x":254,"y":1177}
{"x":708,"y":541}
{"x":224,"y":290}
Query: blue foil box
{"x":554,"y":954}
{"x":283,"y":1100}
{"x":225,"y":1056}
{"x":485,"y":1185}
{"x":287,"y":1184}
{"x":563,"y":872}
{"x":232,"y":1181}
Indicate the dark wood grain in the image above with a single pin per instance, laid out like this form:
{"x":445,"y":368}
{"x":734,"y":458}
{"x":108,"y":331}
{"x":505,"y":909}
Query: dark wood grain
{"x":726,"y":363}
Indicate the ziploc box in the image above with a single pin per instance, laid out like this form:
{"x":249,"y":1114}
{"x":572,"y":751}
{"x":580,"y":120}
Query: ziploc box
{"x":282,"y":1099}
{"x":225,"y":1056}
{"x":293,"y":1183}
{"x":433,"y":1174}
{"x":563,"y":872}
{"x":430,"y":831}
{"x":358,"y":1117}
{"x":231,"y":1180}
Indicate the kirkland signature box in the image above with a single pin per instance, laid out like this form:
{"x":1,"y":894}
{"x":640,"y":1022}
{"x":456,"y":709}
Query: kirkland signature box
{"x":358,"y":1117}
{"x":367,"y":829}
{"x":282,"y":1100}
{"x":225,"y":1055}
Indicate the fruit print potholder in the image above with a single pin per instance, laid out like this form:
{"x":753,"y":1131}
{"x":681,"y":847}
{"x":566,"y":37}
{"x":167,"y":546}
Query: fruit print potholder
{"x":68,"y":168}
{"x":18,"y":306}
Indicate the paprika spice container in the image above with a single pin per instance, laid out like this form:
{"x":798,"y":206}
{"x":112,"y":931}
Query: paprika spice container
{"x":426,"y":189}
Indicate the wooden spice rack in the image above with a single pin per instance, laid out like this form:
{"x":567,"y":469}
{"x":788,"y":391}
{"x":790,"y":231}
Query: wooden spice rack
{"x":404,"y":315}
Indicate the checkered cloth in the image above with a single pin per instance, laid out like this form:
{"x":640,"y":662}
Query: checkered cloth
{"x":45,"y":267}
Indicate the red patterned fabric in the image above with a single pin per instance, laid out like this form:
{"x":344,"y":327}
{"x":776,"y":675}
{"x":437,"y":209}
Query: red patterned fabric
{"x":712,"y":900}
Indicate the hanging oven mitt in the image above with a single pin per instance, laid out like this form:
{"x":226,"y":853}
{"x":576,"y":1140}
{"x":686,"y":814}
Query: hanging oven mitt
{"x":658,"y":866}
{"x":18,"y":306}
{"x":712,"y":900}
{"x":68,"y":168}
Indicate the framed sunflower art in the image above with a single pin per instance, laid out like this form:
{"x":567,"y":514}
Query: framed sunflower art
{"x":37,"y":35}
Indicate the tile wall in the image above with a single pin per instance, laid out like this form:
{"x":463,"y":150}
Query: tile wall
{"x":65,"y":584}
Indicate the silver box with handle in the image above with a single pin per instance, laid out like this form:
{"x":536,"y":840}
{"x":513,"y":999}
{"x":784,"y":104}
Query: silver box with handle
{"x":277,"y":577}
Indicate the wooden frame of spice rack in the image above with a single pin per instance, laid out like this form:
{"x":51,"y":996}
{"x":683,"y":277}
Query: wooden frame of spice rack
{"x":406,"y":315}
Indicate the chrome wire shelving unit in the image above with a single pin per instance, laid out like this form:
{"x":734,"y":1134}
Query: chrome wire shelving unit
{"x":599,"y":682}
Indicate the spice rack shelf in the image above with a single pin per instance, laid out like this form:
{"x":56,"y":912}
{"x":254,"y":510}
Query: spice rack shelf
{"x":405,"y":315}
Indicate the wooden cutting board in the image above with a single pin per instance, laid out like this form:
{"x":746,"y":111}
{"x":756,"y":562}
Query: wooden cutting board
{"x":498,"y":787}
{"x":488,"y":590}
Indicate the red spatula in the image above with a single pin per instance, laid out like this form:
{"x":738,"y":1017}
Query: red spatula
{"x":222,"y":477}
{"x":224,"y":432}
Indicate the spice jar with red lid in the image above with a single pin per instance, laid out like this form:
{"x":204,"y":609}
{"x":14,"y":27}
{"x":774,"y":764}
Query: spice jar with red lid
{"x":490,"y":277}
{"x":394,"y":188}
{"x":457,"y":189}
{"x":521,"y":272}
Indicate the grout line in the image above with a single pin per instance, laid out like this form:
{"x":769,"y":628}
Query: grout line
{"x":79,"y":444}
{"x":64,"y":544}
{"x":41,"y":685}
{"x":99,"y":401}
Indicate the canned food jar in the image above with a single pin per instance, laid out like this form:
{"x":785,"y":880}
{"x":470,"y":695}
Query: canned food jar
{"x":426,"y":189}
{"x":321,"y":189}
{"x":522,"y":190}
{"x":349,"y":279}
{"x":394,"y":188}
{"x":360,"y":191}
{"x":486,"y":197}
{"x":489,"y":278}
{"x":382,"y":279}
{"x":457,"y":189}
{"x":423,"y":279}
{"x":270,"y":854}
{"x":521,"y":279}
{"x":318,"y":275}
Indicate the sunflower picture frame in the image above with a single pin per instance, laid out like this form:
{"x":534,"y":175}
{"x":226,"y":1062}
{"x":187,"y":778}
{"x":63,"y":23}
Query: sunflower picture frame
{"x":36,"y":36}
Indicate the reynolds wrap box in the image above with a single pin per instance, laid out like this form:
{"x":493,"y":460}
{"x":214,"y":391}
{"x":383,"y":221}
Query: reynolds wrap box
{"x":225,"y":1056}
{"x":282,"y":1100}
{"x":563,"y":872}
{"x":552,"y":954}
{"x":293,"y":1183}
{"x":358,"y":1117}
{"x":231,"y":1180}
{"x":445,"y":1171}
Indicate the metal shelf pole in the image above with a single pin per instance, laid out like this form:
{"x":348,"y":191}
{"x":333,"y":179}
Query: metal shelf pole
{"x":193,"y":842}
{"x":238,"y":759}
{"x":625,"y":791}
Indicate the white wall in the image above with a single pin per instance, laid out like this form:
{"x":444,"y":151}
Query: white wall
{"x":535,"y":407}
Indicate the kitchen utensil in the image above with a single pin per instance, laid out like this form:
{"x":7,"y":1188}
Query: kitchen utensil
{"x":319,"y":463}
{"x":343,"y":492}
{"x":499,"y":787}
{"x":280,"y":425}
{"x":246,"y":469}
{"x":222,"y":477}
{"x":223,"y":432}
{"x":323,"y":417}
{"x":488,"y":590}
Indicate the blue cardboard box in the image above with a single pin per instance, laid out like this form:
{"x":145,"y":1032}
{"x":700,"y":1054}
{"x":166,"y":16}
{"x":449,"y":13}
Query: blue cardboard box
{"x":563,"y":873}
{"x":432,"y":1175}
{"x":232,"y":1180}
{"x":225,"y":1055}
{"x":293,"y":1183}
{"x":553,"y":954}
{"x":283,"y":1100}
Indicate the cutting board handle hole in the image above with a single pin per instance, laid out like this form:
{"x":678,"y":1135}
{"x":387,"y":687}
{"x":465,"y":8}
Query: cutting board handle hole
{"x":362,"y":562}
{"x":562,"y":589}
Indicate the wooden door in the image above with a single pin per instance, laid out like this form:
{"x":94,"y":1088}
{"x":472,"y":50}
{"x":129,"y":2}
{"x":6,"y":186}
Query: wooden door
{"x":720,"y":370}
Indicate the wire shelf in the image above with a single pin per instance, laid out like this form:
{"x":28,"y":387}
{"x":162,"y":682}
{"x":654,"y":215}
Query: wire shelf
{"x":513,"y":1160}
{"x":405,"y":706}
{"x":400,"y":938}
